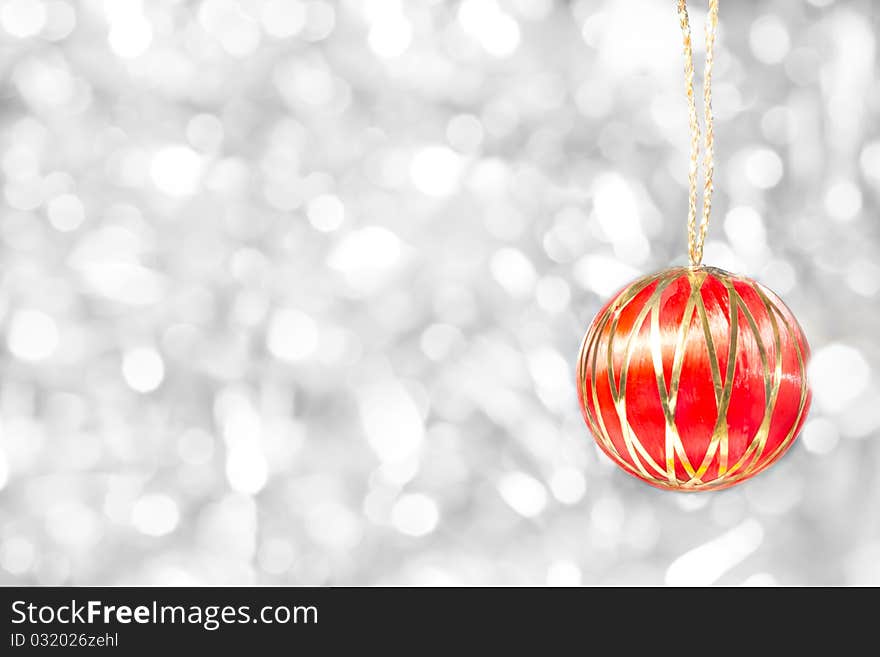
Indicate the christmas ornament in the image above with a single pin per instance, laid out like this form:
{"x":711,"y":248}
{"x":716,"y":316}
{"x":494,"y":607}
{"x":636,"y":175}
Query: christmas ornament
{"x":694,"y":378}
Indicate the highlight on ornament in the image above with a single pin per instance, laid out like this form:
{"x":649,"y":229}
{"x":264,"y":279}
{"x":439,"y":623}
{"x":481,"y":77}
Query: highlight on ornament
{"x":694,"y":378}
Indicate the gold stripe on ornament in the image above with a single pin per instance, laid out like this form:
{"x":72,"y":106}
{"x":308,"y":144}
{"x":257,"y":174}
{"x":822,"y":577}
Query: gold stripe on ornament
{"x":590,"y":356}
{"x":672,"y":440}
{"x":600,"y":425}
{"x":630,"y":438}
{"x":589,"y":359}
{"x":794,"y":333}
{"x":756,"y":447}
{"x":723,"y":391}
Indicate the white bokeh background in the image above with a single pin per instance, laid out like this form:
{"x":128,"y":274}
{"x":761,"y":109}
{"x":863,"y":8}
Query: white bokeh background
{"x":291,"y":291}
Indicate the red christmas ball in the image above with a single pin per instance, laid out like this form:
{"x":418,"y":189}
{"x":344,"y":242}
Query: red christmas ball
{"x":694,"y":378}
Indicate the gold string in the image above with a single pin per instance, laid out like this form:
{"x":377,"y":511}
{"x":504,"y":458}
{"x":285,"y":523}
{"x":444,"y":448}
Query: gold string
{"x":697,"y":234}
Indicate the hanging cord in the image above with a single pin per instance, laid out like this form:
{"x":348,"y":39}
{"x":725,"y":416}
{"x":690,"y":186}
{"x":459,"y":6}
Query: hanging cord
{"x":697,"y":235}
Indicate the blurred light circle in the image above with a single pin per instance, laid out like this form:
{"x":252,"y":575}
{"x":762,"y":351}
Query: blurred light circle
{"x":553,"y":294}
{"x":870,"y":160}
{"x":769,"y":39}
{"x":616,"y":209}
{"x":398,"y":473}
{"x":779,"y":124}
{"x":66,"y":212}
{"x":283,"y":19}
{"x":17,"y":555}
{"x":45,"y":82}
{"x":863,"y":277}
{"x":551,"y":373}
{"x":130,"y":35}
{"x":320,"y":20}
{"x":415,"y":514}
{"x":175,"y":170}
{"x":23,"y":18}
{"x":568,"y":485}
{"x":513,"y":271}
{"x":523,"y":493}
{"x":763,"y":168}
{"x":326,"y":212}
{"x":438,"y":340}
{"x":143,"y":369}
{"x":236,"y":32}
{"x":60,"y":20}
{"x":503,"y":38}
{"x":843,"y":200}
{"x":779,"y":276}
{"x":390,"y":36}
{"x":246,"y":467}
{"x":57,"y":183}
{"x":366,"y":257}
{"x":838,"y":375}
{"x":603,"y":274}
{"x":745,"y":229}
{"x":155,"y":515}
{"x":496,"y":31}
{"x":820,"y":436}
{"x":435,"y":170}
{"x":391,"y":170}
{"x":32,"y":335}
{"x":691,"y":503}
{"x":392,"y":422}
{"x":292,"y":335}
